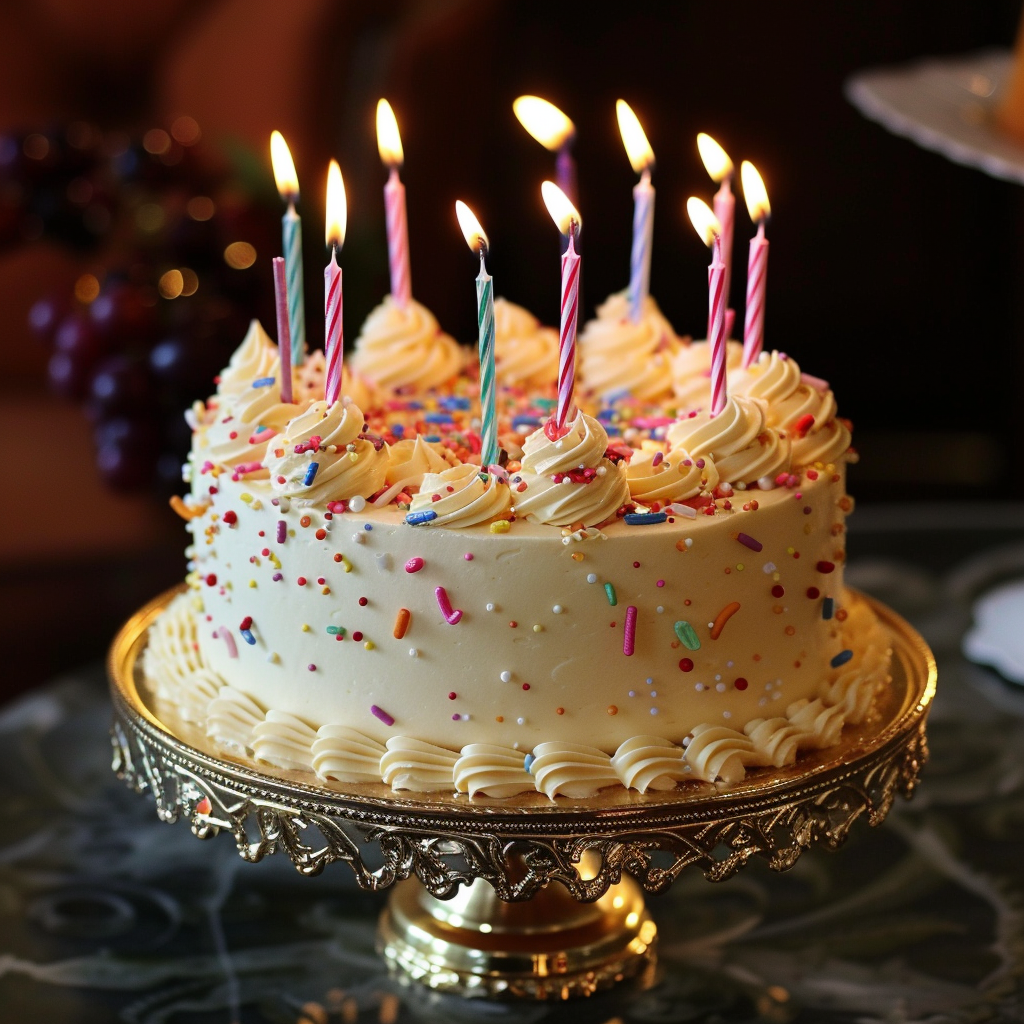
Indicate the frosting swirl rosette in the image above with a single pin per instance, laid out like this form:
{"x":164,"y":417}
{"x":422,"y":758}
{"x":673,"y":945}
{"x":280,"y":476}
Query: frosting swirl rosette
{"x":525,"y":352}
{"x":462,"y":496}
{"x":405,"y":348}
{"x":617,"y":354}
{"x":805,"y":411}
{"x":569,"y":480}
{"x":310,"y":379}
{"x":254,"y":359}
{"x":329,"y":437}
{"x":691,"y":372}
{"x":676,"y":477}
{"x":739,"y":441}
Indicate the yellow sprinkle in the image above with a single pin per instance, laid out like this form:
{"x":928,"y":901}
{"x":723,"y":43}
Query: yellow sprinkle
{"x":257,"y":505}
{"x":369,"y":645}
{"x":776,"y":576}
{"x":790,"y":551}
{"x":274,"y":560}
{"x":305,"y":627}
{"x":739,"y":566}
{"x":353,"y":457}
{"x":346,"y":563}
{"x":538,"y":629}
{"x":577,"y":556}
{"x":501,"y":526}
{"x":325,"y":590}
{"x":247,"y":497}
{"x":252,"y":583}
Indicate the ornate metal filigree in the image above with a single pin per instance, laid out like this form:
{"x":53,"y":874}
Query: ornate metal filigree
{"x":449,"y":842}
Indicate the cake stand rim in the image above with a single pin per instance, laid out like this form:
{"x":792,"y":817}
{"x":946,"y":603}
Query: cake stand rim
{"x":564,"y":817}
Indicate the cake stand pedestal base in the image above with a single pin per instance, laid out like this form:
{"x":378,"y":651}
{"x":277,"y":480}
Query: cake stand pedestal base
{"x":552,"y":947}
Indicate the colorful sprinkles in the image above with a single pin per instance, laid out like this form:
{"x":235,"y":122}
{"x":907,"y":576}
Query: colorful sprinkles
{"x":841,"y":658}
{"x":381,"y":715}
{"x":629,"y":632}
{"x":687,"y":635}
{"x":451,"y":615}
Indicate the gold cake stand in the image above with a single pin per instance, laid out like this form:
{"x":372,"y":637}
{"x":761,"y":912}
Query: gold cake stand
{"x":463,"y":869}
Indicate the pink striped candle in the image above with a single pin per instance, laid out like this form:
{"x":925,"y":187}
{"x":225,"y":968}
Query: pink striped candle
{"x":756,"y":196}
{"x":284,"y":335}
{"x":706,"y":225}
{"x":334,"y":335}
{"x":720,"y":167}
{"x":567,"y":220}
{"x":716,"y":335}
{"x":389,"y":144}
{"x":567,"y":335}
{"x":337,"y":214}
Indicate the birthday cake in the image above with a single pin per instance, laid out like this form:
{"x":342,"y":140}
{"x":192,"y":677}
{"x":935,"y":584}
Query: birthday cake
{"x":480,"y":575}
{"x":656,"y":596}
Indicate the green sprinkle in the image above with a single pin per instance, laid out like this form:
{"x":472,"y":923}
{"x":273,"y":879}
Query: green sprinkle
{"x":610,"y":591}
{"x":687,"y":637}
{"x":335,"y":630}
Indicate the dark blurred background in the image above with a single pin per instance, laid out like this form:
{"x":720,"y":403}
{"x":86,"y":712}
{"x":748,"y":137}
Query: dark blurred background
{"x":893,"y":272}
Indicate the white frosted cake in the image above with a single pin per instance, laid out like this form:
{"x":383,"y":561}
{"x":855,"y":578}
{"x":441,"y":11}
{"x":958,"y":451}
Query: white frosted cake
{"x":657,"y":596}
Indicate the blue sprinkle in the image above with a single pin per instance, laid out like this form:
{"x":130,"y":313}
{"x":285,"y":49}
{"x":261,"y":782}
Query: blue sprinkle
{"x":606,"y":415}
{"x":416,"y":518}
{"x":827,"y":607}
{"x":454,"y":402}
{"x":310,"y":473}
{"x":438,"y":417}
{"x":367,"y":526}
{"x":432,"y":437}
{"x":248,"y":637}
{"x":398,"y":430}
{"x":263,"y":382}
{"x":518,"y":422}
{"x":528,"y":762}
{"x":841,"y":658}
{"x":415,"y":405}
{"x":644,"y":518}
{"x":261,"y":428}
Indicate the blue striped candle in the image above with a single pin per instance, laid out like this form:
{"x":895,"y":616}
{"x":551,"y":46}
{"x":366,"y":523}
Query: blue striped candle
{"x":291,"y":233}
{"x":640,"y":254}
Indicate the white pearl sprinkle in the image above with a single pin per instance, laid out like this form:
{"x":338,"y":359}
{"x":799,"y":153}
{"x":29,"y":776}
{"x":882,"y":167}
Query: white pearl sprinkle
{"x":654,"y":693}
{"x":358,"y":538}
{"x":557,"y":609}
{"x":506,"y":676}
{"x":660,"y":609}
{"x":465,"y":718}
{"x":520,"y":721}
{"x":490,"y":606}
{"x":688,"y":542}
{"x":699,"y":687}
{"x":720,"y":687}
{"x":356,"y":504}
{"x":727,"y":714}
{"x":632,"y":693}
{"x":654,"y":711}
{"x":413,"y":653}
{"x":768,"y":568}
{"x":591,"y":577}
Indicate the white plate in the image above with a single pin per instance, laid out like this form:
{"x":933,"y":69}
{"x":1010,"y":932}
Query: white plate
{"x":997,"y":637}
{"x":945,"y":105}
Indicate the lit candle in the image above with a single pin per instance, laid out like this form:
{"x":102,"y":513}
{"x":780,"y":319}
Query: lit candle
{"x":720,"y":167}
{"x":707,"y":226}
{"x":641,"y":156}
{"x":291,"y":232}
{"x":756,"y":196}
{"x":555,"y":132}
{"x":476,"y":239}
{"x":568,"y":221}
{"x":389,"y":145}
{"x":284,"y":334}
{"x":337,"y":216}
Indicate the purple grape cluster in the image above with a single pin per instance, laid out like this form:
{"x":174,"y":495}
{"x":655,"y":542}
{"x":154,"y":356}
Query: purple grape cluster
{"x":185,"y":248}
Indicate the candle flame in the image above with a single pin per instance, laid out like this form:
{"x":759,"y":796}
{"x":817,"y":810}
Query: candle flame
{"x":754,"y":192}
{"x":638,"y":149}
{"x":389,"y":142}
{"x":716,"y":160}
{"x":544,"y":121}
{"x":476,"y":237}
{"x":284,"y":168}
{"x":563,"y":213}
{"x":704,"y":222}
{"x":337,"y":208}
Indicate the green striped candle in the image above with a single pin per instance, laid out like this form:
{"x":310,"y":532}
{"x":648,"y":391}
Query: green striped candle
{"x":476,"y":239}
{"x":291,"y":235}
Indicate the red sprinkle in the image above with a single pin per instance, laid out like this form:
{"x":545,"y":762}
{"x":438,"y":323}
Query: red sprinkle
{"x":778,"y":590}
{"x":813,"y":593}
{"x":414,"y":564}
{"x":825,"y":567}
{"x":686,"y":665}
{"x":740,"y":684}
{"x":230,"y":517}
{"x":301,"y":581}
{"x":246,"y":622}
{"x":452,"y":695}
{"x":211,"y":580}
{"x":363,"y":602}
{"x":357,"y":636}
